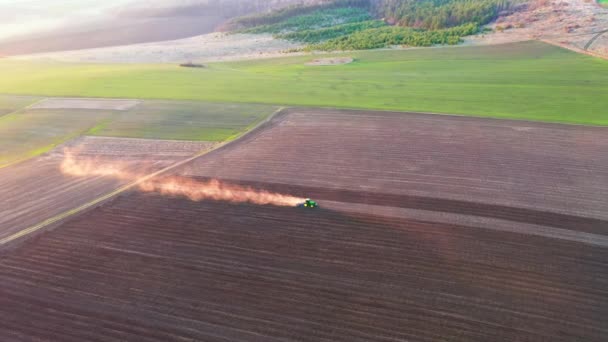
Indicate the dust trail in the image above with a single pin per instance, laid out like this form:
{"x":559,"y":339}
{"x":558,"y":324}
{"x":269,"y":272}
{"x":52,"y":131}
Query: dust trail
{"x":194,"y":190}
{"x":73,"y":165}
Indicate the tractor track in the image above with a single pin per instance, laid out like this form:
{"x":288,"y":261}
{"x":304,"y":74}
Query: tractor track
{"x":592,"y":40}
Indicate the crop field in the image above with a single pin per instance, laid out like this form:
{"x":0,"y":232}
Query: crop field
{"x":152,"y":268}
{"x":36,"y":190}
{"x":148,"y":267}
{"x":529,"y":80}
{"x":94,"y":104}
{"x":11,"y":103}
{"x":539,"y":166}
{"x":185,"y":120}
{"x":29,"y":132}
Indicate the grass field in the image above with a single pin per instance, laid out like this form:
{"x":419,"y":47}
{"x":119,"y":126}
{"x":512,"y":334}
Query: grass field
{"x":32,"y":132}
{"x":183,"y":120}
{"x":603,"y":3}
{"x":27,"y":133}
{"x":9,"y":104}
{"x":528,"y":80}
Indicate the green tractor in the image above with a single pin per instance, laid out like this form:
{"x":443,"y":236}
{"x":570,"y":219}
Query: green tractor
{"x":308,"y":203}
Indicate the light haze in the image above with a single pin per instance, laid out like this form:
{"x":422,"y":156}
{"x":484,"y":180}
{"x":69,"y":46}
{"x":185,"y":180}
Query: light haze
{"x":19,"y":17}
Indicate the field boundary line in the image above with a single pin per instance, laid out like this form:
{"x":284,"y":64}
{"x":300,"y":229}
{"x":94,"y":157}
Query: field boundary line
{"x":577,"y":50}
{"x":473,"y":221}
{"x":16,"y":111}
{"x":455,"y":115}
{"x":92,"y":204}
{"x":31,"y":105}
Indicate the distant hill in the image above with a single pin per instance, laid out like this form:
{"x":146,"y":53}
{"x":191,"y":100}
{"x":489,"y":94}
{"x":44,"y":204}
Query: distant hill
{"x":142,"y":23}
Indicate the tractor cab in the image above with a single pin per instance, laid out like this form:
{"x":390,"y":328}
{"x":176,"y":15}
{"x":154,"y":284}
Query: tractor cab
{"x":308,"y":203}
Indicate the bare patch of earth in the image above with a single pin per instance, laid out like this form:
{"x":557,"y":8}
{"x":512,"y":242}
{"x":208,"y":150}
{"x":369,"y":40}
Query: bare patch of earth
{"x":572,"y":24}
{"x":330,"y":61}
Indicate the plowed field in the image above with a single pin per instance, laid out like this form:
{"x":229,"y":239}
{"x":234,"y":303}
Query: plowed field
{"x":149,"y":268}
{"x":36,"y":190}
{"x":543,"y":167}
{"x":431,"y":228}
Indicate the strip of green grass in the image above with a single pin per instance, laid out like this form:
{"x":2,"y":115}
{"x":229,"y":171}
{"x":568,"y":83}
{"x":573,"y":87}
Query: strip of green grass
{"x":530,"y":80}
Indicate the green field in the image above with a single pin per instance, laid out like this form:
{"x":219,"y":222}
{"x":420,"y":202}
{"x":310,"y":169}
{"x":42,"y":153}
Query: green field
{"x":530,"y":80}
{"x":603,"y":2}
{"x":30,"y":132}
{"x":9,"y":104}
{"x":184,"y":120}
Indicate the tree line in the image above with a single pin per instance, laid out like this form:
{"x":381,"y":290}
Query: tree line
{"x":386,"y":36}
{"x":438,"y":14}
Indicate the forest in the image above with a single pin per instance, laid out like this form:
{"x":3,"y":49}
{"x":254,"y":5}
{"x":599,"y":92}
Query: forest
{"x":386,"y":36}
{"x":439,"y":14}
{"x":370,"y":24}
{"x":326,"y":33}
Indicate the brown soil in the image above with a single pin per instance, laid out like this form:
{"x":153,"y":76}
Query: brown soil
{"x":36,"y":190}
{"x":151,"y":268}
{"x":508,"y":163}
